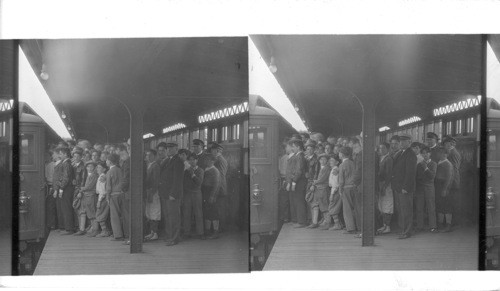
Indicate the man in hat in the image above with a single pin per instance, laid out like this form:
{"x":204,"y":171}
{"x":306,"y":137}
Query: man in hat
{"x":297,"y":181}
{"x":65,"y":190}
{"x":455,"y":159}
{"x":222,"y":197}
{"x":87,"y":194}
{"x":395,"y":150}
{"x":170,"y":189}
{"x":284,"y":199}
{"x":432,"y":143}
{"x":125,"y":186}
{"x":312,"y":168}
{"x":403,"y":184}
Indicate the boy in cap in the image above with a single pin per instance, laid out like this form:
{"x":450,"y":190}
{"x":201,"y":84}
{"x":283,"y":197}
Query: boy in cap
{"x":153,"y":204}
{"x":102,"y":207}
{"x":424,"y":192}
{"x":319,"y":188}
{"x":198,"y":147}
{"x":115,"y":196}
{"x":209,"y":190}
{"x":432,"y":143}
{"x":386,"y":196}
{"x":455,"y":159}
{"x":443,"y":183}
{"x":222,"y":199}
{"x":87,"y":194}
{"x":416,"y":146}
{"x":403,"y":185}
{"x":193,"y":200}
{"x":347,"y":189}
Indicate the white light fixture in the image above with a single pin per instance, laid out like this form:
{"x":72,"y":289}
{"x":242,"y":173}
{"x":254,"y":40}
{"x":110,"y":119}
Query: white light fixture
{"x":148,"y":135}
{"x":272,"y":66}
{"x":263,"y":83}
{"x":174,"y":127}
{"x":410,"y":120}
{"x":33,"y":93}
{"x":457,"y":106}
{"x":63,"y":115}
{"x":43,"y":73}
{"x":222,"y":113}
{"x":383,"y":128}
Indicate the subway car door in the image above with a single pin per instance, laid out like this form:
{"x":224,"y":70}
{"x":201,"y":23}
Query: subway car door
{"x":263,"y":143}
{"x":31,"y":170}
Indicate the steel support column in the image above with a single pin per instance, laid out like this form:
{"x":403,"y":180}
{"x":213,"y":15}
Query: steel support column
{"x":368,"y":173}
{"x":136,"y":177}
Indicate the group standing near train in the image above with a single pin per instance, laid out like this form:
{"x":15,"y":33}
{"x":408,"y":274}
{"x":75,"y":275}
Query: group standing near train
{"x":88,"y":190}
{"x":321,"y":183}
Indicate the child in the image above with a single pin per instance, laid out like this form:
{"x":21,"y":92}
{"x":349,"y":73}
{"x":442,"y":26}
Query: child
{"x":209,"y":187}
{"x":192,"y":206}
{"x":335,"y":205}
{"x":87,"y":194}
{"x":320,"y":191}
{"x":102,"y":212}
{"x":153,"y":205}
{"x":442,"y":183}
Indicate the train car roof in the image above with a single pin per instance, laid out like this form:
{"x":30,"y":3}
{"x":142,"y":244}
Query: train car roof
{"x":177,"y":79}
{"x":408,"y":74}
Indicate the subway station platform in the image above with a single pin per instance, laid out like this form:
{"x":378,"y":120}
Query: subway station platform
{"x":72,"y":255}
{"x":323,"y":250}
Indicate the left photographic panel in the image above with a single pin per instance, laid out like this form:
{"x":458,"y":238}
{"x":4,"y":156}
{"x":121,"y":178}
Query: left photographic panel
{"x":133,"y":156}
{"x":8,"y":51}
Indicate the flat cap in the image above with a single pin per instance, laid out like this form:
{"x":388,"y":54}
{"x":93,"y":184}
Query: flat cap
{"x":171,"y":144}
{"x":216,"y":146}
{"x":432,"y":135}
{"x":405,"y":136}
{"x":198,"y":142}
{"x":449,"y":139}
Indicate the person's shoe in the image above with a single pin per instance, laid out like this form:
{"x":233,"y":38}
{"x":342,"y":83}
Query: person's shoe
{"x":312,"y":225}
{"x":434,"y":230}
{"x":147,"y":237}
{"x":299,"y":225}
{"x":117,"y":239}
{"x":349,"y":232}
{"x":127,"y":243}
{"x":325,"y":226}
{"x":171,"y":243}
{"x":104,"y":233}
{"x":404,"y":236}
{"x":152,"y":237}
{"x":65,"y":232}
{"x":386,"y":230}
{"x":447,"y":228}
{"x":214,"y":235}
{"x":336,"y":227}
{"x":381,"y":229}
{"x":92,"y":233}
{"x":80,"y":232}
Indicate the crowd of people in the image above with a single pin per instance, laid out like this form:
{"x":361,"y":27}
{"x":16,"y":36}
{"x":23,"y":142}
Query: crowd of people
{"x":321,"y":183}
{"x":88,"y":190}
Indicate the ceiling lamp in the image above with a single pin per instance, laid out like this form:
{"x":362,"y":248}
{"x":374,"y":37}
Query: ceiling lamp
{"x":43,"y":73}
{"x":407,"y":121}
{"x":383,"y":128}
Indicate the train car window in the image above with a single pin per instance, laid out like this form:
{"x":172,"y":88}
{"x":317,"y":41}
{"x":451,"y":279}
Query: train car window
{"x":224,"y":133}
{"x":236,"y":131}
{"x":245,"y":134}
{"x":458,"y":126}
{"x":448,"y":128}
{"x":186,"y":139}
{"x":420,"y":132}
{"x":438,"y":128}
{"x":27,"y":153}
{"x":214,"y":134}
{"x":470,"y":125}
{"x":205,"y":134}
{"x":257,"y":140}
{"x":493,"y":145}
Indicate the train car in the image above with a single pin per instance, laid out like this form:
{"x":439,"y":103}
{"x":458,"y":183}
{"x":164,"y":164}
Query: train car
{"x":493,"y":187}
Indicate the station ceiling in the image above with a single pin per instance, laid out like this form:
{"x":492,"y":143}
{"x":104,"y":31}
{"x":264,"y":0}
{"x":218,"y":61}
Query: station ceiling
{"x":407,"y":74}
{"x":176,"y":78}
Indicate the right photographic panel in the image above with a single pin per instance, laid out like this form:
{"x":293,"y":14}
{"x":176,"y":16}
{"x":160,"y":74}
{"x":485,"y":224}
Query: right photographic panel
{"x":493,"y":153}
{"x":365,"y":151}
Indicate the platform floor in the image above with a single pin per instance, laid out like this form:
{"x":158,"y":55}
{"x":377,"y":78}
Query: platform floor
{"x":72,"y":255}
{"x":5,"y":253}
{"x":313,"y":249}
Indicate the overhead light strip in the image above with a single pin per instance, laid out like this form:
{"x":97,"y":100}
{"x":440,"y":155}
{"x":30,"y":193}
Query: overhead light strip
{"x":33,"y":93}
{"x":410,"y":120}
{"x":223,"y":113}
{"x":148,"y":135}
{"x":263,"y":83}
{"x":174,"y":127}
{"x":457,"y":106}
{"x":384,"y":128}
